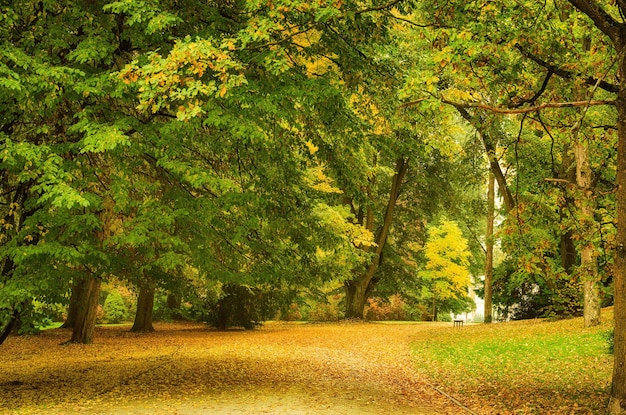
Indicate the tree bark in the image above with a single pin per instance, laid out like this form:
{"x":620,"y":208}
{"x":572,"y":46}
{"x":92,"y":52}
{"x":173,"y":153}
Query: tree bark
{"x":73,"y":306}
{"x":618,"y":385}
{"x":489,"y":250}
{"x":356,"y":297}
{"x":86,"y":311}
{"x":10,"y":326}
{"x":359,"y":289}
{"x":567,"y":249}
{"x":145,"y":306}
{"x":588,"y":262}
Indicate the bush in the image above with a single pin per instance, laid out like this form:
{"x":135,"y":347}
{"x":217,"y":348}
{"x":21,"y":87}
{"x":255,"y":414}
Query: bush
{"x":392,"y":309}
{"x":293,"y":313}
{"x":114,"y":309}
{"x":417,"y":312}
{"x":326,"y":311}
{"x":241,"y":306}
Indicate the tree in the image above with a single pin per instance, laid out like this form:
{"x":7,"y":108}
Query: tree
{"x":560,"y":56}
{"x":614,"y":31}
{"x":447,"y":268}
{"x":359,"y":288}
{"x":63,"y":113}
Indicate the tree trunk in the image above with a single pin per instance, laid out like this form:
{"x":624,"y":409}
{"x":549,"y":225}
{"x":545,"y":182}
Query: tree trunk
{"x":359,"y":289}
{"x":356,"y":297}
{"x":618,"y":386}
{"x":145,"y":305}
{"x":567,"y":249}
{"x":588,"y":263}
{"x":73,"y":306}
{"x":14,"y":219}
{"x":86,"y":311}
{"x":10,"y":326}
{"x":489,"y":248}
{"x":490,"y":149}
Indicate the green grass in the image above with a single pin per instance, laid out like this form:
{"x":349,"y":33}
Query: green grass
{"x":523,"y":367}
{"x":52,"y":325}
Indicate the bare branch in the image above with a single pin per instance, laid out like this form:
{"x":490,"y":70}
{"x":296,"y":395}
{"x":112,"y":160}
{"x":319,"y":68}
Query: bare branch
{"x":526,"y":110}
{"x":555,"y":180}
{"x":412,"y":103}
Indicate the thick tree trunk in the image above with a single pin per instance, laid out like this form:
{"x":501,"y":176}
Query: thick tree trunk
{"x":588,"y":263}
{"x":145,"y":305}
{"x":87,"y":309}
{"x":73,"y":306}
{"x":359,"y":289}
{"x":356,"y":297}
{"x":489,"y":250}
{"x":9,"y":326}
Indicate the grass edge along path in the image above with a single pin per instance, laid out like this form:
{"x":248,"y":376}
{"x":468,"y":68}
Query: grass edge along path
{"x":522,"y":367}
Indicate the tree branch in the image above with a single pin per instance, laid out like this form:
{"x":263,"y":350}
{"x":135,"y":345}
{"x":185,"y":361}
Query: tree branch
{"x":563,"y":73}
{"x":535,"y":97}
{"x":601,"y":19}
{"x":526,"y":110}
{"x":494,"y":164}
{"x":556,"y":180}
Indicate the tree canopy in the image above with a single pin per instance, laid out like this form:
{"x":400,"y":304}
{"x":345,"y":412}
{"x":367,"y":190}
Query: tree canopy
{"x":286,"y":145}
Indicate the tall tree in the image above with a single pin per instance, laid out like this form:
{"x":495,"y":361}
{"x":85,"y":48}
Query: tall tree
{"x":615,"y":31}
{"x":556,"y":57}
{"x":359,"y":288}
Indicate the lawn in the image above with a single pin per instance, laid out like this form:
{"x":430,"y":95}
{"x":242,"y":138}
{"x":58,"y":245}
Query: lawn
{"x":525,"y":367}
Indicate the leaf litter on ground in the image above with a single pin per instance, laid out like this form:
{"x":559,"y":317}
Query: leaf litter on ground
{"x":282,"y":368}
{"x":186,"y":368}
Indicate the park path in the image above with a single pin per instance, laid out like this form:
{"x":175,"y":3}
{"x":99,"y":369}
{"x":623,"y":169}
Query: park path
{"x":335,"y":369}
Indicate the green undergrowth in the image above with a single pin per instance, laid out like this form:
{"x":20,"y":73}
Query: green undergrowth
{"x":523,"y":367}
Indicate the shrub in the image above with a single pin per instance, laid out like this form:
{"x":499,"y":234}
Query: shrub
{"x":241,"y":306}
{"x":114,"y":309}
{"x":293,"y":313}
{"x":417,"y":312}
{"x":392,"y":309}
{"x":326,"y":310}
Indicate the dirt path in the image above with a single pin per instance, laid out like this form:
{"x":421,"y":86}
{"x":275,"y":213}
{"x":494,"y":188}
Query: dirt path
{"x":281,"y":369}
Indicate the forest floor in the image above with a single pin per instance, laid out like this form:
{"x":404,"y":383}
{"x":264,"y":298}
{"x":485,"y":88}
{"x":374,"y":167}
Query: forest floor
{"x":282,"y":368}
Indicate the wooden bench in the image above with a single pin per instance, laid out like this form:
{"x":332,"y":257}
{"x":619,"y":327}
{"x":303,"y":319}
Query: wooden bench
{"x":458,"y":323}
